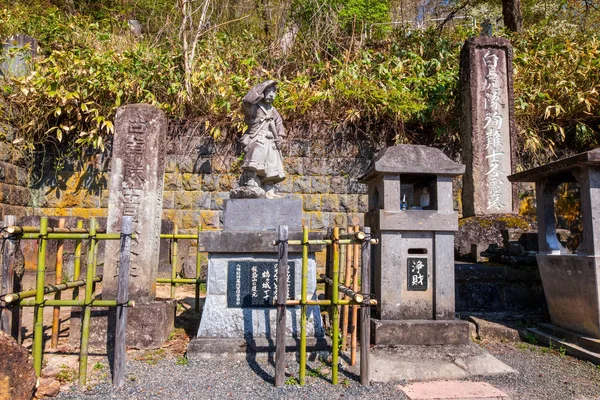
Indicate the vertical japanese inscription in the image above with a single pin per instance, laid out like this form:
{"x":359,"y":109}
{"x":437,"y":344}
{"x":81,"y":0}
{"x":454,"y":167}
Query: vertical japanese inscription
{"x":254,"y":284}
{"x":495,"y":130}
{"x":134,"y":172}
{"x":417,"y":273}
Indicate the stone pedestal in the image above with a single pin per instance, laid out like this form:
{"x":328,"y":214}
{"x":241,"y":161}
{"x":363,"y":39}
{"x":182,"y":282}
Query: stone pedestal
{"x":571,"y":281}
{"x":148,"y":325}
{"x":487,"y":126}
{"x":238,"y":315}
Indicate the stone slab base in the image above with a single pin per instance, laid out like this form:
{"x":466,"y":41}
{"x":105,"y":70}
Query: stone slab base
{"x":148,"y":326}
{"x":419,"y":332}
{"x":209,"y":347}
{"x":575,"y":344}
{"x":455,"y":390}
{"x":428,"y":363}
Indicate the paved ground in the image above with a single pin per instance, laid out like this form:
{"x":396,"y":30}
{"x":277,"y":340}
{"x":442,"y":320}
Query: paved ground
{"x":544,"y":374}
{"x":165,"y":374}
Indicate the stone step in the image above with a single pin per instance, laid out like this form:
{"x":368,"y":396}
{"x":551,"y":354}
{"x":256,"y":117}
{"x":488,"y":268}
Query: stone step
{"x":453,"y":390}
{"x":587,"y":343}
{"x":570,"y":348}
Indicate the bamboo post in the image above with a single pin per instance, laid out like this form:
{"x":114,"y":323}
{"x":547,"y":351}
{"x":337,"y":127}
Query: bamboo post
{"x":9,"y":317}
{"x":281,"y":300}
{"x":174,"y":259}
{"x":347,"y":277}
{"x":77,"y":261}
{"x":365,"y":310}
{"x":57,"y":280}
{"x":336,"y":311}
{"x":122,"y":298}
{"x":38,"y":324}
{"x":198,"y":272}
{"x":303,"y":299}
{"x":328,"y":272}
{"x":87,"y":310}
{"x":354,"y":326}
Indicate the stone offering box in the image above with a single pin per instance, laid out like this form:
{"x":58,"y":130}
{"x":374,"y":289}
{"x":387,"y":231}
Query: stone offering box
{"x":413,"y":275}
{"x":571,"y":281}
{"x":238,"y":314}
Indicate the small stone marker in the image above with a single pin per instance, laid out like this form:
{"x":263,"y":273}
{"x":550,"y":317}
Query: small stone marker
{"x":136,"y":186}
{"x":16,"y":55}
{"x":135,"y":27}
{"x":452,"y":390}
{"x":487,"y":125}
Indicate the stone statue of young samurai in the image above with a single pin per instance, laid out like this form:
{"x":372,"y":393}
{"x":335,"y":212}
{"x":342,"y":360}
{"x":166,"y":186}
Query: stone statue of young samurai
{"x":263,"y":166}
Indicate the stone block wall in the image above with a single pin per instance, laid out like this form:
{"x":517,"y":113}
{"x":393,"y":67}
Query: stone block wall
{"x":200,"y":172}
{"x":322,"y":170}
{"x":16,"y":197}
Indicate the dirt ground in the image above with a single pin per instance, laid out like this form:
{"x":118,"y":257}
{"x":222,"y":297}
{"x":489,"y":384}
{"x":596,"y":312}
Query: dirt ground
{"x":62,"y":362}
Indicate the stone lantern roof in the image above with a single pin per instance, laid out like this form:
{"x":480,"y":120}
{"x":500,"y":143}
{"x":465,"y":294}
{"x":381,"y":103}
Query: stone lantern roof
{"x":412,"y":159}
{"x":560,"y":170}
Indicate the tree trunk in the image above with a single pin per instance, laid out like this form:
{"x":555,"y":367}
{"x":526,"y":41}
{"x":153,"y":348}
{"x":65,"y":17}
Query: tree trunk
{"x":511,"y":10}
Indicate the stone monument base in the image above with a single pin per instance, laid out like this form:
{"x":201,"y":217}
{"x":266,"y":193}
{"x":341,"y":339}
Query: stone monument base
{"x":148,"y":325}
{"x":206,"y":347}
{"x":419,"y":332}
{"x":428,"y":363}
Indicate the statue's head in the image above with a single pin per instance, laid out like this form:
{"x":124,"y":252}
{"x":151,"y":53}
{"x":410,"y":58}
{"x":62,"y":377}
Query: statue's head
{"x":270,"y":92}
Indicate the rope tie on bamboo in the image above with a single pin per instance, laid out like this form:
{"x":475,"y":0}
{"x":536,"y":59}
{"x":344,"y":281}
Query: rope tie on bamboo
{"x":308,"y":245}
{"x":124,"y":235}
{"x":278,"y":242}
{"x":368,"y":297}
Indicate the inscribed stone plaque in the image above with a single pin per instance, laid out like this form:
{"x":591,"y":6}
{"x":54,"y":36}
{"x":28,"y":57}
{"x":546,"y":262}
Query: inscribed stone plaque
{"x":487,"y":126}
{"x":417,"y":273}
{"x":254,"y":284}
{"x":136,"y":188}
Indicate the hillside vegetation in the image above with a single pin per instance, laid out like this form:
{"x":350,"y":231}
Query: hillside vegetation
{"x":337,"y":62}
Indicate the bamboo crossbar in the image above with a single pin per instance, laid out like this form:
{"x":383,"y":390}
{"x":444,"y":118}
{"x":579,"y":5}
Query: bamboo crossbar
{"x":358,"y":235}
{"x":15,"y":230}
{"x":188,"y":281}
{"x":357,"y":297}
{"x":67,"y":236}
{"x":293,"y":303}
{"x":326,"y":242}
{"x":75,"y":303}
{"x":11,"y":297}
{"x":178,"y":236}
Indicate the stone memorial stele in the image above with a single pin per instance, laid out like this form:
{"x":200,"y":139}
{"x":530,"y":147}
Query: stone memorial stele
{"x":263,"y":164}
{"x":411,"y":212}
{"x":487,"y":126}
{"x":136,"y":189}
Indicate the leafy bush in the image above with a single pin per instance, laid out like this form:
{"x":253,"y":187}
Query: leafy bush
{"x":402,"y":88}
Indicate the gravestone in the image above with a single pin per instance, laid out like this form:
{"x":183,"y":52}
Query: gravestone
{"x":487,"y":126}
{"x":136,"y":188}
{"x":239,"y":314}
{"x":18,"y":50}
